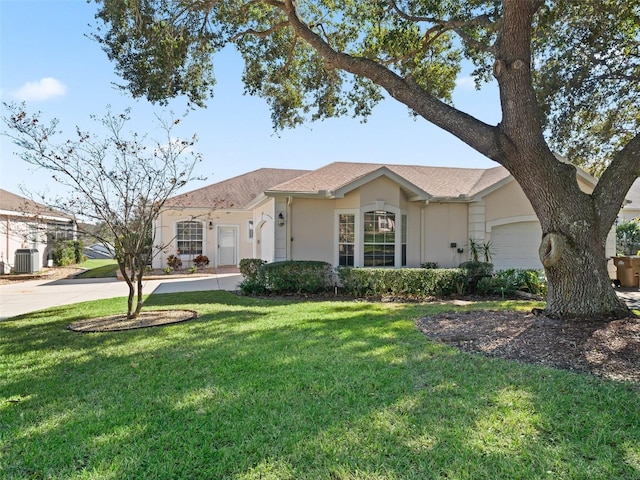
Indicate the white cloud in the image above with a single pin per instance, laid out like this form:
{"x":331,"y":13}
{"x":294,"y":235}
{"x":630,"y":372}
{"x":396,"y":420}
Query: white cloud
{"x":43,"y":89}
{"x":466,"y":83}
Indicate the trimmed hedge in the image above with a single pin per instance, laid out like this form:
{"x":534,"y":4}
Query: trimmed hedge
{"x":289,"y":277}
{"x":404,"y":282}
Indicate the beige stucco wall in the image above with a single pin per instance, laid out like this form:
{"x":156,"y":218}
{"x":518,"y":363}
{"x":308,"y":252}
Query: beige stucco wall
{"x":312,"y":229}
{"x":263,"y":220}
{"x":381,"y":188}
{"x":16,"y":233}
{"x":507,"y":202}
{"x":629,"y":213}
{"x":430,"y":229}
{"x":212,"y":220}
{"x":444,"y":224}
{"x":20,"y":231}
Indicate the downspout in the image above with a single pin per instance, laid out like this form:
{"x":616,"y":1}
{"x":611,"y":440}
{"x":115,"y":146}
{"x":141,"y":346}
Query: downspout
{"x":288,"y":227}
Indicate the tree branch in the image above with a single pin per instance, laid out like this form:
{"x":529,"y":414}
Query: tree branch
{"x":615,"y":182}
{"x":260,"y":33}
{"x":455,"y":26}
{"x":480,"y":136}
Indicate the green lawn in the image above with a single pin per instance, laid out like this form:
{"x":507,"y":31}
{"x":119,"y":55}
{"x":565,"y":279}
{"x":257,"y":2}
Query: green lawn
{"x":98,"y":268}
{"x":258,"y":389}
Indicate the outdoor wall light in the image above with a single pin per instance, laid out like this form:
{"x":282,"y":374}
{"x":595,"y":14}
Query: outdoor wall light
{"x":210,"y":225}
{"x":281,"y":219}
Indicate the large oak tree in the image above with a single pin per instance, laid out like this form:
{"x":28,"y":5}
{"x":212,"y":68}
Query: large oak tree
{"x":567,"y":73}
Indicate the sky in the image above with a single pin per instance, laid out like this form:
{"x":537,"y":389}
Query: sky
{"x":48,"y":62}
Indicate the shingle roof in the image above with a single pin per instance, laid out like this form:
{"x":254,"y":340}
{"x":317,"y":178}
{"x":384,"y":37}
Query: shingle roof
{"x":236,"y":192}
{"x":435,"y":181}
{"x":11,"y":202}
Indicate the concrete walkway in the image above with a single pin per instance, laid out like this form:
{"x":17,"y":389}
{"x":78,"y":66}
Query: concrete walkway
{"x":25,"y":297}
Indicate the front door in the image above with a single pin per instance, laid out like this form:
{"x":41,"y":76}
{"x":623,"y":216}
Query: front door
{"x":227,"y":245}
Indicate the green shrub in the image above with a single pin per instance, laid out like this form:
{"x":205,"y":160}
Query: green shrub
{"x":67,"y":252}
{"x":249,"y":267}
{"x":475,"y":272}
{"x":429,"y":265}
{"x":405,"y":282}
{"x":252,"y":286}
{"x":508,"y":281}
{"x":293,"y":276}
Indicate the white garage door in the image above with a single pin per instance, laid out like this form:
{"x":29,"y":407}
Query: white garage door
{"x":516,"y":245}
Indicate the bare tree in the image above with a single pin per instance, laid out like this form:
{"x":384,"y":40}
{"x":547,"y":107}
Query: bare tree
{"x":121,"y":180}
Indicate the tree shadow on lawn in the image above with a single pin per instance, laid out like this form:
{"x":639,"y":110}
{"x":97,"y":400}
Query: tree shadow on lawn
{"x":255,"y":387}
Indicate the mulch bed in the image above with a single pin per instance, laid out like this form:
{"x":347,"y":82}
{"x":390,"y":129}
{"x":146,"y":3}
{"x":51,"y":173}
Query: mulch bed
{"x":609,"y":349}
{"x":147,"y":318}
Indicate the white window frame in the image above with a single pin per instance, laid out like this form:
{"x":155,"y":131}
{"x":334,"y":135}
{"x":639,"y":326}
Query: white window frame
{"x":396,"y":235}
{"x":189,"y":256}
{"x":358,"y":236}
{"x":358,"y":261}
{"x":250,"y":230}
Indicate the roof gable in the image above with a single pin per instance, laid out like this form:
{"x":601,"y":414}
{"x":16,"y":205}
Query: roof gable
{"x":237,"y":192}
{"x":10,"y":203}
{"x":419,"y":182}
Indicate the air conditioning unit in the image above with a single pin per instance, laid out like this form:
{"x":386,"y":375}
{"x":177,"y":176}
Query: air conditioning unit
{"x":27,"y":260}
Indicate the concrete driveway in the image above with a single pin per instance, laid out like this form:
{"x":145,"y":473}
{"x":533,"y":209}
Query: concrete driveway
{"x":25,"y":297}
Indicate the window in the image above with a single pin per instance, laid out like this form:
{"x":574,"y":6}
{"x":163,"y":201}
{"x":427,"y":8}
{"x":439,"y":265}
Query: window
{"x":60,"y":231}
{"x":346,"y":239}
{"x":189,"y":237}
{"x":250,"y":233}
{"x":403,"y":228}
{"x":379,"y":239}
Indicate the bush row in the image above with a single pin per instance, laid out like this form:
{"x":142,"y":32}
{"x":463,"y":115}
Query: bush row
{"x":285,"y":277}
{"x":295,"y":277}
{"x":404,"y":282}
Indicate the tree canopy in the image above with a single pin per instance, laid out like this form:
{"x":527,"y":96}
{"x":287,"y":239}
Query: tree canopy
{"x":567,"y":73}
{"x":585,"y":57}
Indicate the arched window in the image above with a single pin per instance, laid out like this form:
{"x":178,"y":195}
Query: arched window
{"x":379,"y":238}
{"x":189,"y":237}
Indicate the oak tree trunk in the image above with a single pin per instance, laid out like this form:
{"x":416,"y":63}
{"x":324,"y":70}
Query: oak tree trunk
{"x":574,"y":225}
{"x":579,"y":283}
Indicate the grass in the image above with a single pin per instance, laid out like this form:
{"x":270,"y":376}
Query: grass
{"x":98,"y":268}
{"x":285,"y":390}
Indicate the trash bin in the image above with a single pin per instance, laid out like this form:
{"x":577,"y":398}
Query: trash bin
{"x":27,"y":260}
{"x":627,"y":270}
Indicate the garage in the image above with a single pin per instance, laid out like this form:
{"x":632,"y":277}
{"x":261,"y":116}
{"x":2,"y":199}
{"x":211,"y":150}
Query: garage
{"x":515,"y":245}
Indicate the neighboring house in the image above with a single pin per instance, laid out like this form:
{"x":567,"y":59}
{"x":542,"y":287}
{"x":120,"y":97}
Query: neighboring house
{"x":358,"y":214}
{"x":631,"y":208}
{"x":31,"y":225}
